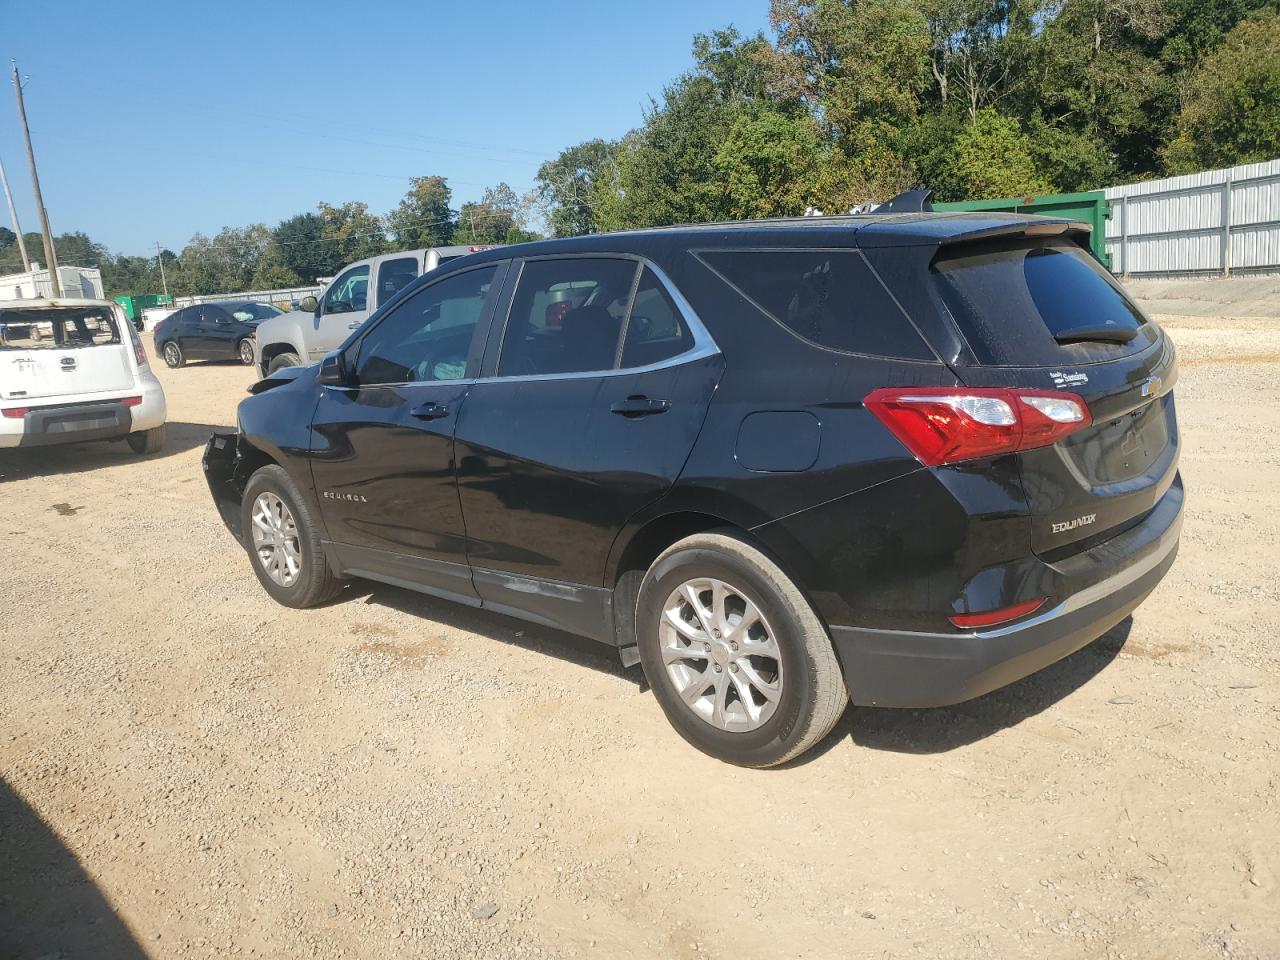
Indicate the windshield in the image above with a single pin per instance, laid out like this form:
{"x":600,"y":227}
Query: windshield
{"x":61,"y":329}
{"x":248,"y":312}
{"x":1017,"y":303}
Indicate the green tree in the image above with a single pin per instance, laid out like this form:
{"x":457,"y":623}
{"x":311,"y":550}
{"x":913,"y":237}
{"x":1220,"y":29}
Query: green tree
{"x":352,"y":231}
{"x":423,"y":218}
{"x":1231,"y":103}
{"x":567,"y":186}
{"x":989,"y":158}
{"x":301,"y":247}
{"x":492,"y":218}
{"x":7,"y":238}
{"x":768,"y":164}
{"x":667,"y":170}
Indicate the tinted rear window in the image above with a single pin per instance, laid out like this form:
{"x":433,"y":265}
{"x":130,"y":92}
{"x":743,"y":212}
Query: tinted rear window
{"x":1010,"y":300}
{"x":831,"y":298}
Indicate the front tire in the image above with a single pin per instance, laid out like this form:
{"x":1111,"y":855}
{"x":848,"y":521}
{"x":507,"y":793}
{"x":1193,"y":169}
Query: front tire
{"x":736,"y":656}
{"x":283,"y":360}
{"x":282,"y":538}
{"x":172,"y":354}
{"x":245,"y":351}
{"x":146,"y":441}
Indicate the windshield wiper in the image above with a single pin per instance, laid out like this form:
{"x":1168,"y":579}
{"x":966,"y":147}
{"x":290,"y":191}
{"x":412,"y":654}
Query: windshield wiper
{"x":1102,"y":334}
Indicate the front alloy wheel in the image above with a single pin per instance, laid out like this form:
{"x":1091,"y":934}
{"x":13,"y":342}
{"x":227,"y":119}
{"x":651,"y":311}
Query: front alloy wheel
{"x":275,"y":540}
{"x":246,"y":353}
{"x":720,"y":654}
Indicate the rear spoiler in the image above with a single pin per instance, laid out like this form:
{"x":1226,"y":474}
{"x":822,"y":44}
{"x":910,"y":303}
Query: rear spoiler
{"x":1026,"y":230}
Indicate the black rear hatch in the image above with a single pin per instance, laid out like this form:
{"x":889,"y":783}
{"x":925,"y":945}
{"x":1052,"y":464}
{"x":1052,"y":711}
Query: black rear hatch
{"x":1043,"y":314}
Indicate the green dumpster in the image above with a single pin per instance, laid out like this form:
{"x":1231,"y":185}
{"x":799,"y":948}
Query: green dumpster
{"x":1091,"y":207}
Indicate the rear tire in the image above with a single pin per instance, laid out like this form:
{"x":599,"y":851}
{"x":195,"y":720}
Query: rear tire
{"x":283,"y":360}
{"x":147,"y":441}
{"x":172,"y":354}
{"x":244,"y":349}
{"x":783,"y":688}
{"x":285,"y":551}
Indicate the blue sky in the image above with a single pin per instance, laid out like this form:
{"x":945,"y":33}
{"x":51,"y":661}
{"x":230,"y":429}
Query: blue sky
{"x":155,"y":121}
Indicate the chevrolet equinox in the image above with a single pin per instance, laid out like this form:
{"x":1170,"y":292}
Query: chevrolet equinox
{"x":899,"y":460}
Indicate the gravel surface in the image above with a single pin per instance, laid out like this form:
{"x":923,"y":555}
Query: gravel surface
{"x":187,"y":769}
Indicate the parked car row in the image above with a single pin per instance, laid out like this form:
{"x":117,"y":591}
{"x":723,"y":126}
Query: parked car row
{"x":899,"y":460}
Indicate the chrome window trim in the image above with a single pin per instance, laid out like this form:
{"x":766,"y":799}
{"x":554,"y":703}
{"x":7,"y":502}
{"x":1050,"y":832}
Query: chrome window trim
{"x":703,"y":344}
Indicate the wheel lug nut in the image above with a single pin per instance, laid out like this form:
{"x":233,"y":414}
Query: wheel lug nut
{"x":733,"y":667}
{"x":717,"y":633}
{"x":718,"y":668}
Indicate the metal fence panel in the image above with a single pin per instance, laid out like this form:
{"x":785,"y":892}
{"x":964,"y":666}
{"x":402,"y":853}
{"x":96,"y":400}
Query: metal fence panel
{"x":1212,"y":222}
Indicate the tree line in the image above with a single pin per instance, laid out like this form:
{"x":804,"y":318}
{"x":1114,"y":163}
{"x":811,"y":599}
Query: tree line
{"x":296,"y":251}
{"x":847,"y":101}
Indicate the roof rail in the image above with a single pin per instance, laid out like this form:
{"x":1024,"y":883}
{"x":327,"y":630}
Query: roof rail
{"x":909,"y":201}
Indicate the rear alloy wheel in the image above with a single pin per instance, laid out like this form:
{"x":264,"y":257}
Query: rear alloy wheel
{"x":173,"y":355}
{"x":283,"y":541}
{"x":736,"y":657}
{"x":246,"y":352}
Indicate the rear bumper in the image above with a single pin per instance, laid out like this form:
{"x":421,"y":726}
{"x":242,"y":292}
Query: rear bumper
{"x":84,"y":417}
{"x":898,"y":668}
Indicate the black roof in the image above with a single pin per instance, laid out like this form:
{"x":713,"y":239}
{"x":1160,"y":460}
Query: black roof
{"x":869,"y":230}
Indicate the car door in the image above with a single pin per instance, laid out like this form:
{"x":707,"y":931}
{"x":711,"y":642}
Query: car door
{"x":382,"y":446}
{"x":344,"y":306}
{"x":183,"y":328}
{"x":213,"y":333}
{"x":559,"y":443}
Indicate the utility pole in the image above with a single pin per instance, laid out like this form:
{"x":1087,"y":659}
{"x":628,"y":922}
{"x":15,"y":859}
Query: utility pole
{"x":13,"y":216}
{"x":160,"y":260}
{"x":54,"y":285}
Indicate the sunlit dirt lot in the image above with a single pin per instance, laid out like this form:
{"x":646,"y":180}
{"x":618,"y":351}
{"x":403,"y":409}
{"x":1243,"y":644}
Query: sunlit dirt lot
{"x":187,"y":769}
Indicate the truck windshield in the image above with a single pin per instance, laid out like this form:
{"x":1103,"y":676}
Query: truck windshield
{"x":60,"y":329}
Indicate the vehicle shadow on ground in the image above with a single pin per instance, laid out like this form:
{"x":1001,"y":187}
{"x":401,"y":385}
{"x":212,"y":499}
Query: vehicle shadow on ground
{"x":940,"y":729}
{"x":17,"y":463}
{"x":579,"y":651}
{"x":49,"y":907}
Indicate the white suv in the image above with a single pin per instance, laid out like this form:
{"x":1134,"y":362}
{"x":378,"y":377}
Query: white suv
{"x":74,"y":370}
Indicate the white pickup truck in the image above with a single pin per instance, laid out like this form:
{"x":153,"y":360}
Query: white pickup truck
{"x":318,"y":327}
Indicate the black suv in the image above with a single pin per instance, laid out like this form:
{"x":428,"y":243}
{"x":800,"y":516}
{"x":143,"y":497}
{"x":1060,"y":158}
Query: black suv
{"x":902,"y":460}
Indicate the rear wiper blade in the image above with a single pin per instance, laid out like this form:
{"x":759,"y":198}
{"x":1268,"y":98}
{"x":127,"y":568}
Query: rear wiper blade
{"x":1104,"y":334}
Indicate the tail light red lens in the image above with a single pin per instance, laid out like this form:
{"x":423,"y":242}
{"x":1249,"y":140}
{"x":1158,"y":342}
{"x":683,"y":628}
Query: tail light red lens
{"x":989,"y":618}
{"x":16,"y":413}
{"x":139,"y":354}
{"x":941,"y":425}
{"x":132,"y":401}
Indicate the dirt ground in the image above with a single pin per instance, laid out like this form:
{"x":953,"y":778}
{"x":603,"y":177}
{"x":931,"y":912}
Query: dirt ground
{"x":187,"y":769}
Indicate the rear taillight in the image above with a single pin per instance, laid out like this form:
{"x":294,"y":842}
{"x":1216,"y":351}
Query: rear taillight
{"x":989,"y":618}
{"x":15,"y":413}
{"x":138,"y":353}
{"x":941,"y":425}
{"x":132,"y":401}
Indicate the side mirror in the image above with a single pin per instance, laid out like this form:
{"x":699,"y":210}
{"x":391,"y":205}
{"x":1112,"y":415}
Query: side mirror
{"x":332,"y":371}
{"x":309,"y":304}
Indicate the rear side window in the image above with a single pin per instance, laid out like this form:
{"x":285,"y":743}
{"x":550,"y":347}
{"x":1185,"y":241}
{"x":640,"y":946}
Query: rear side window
{"x":394,"y":276}
{"x":566,"y":316}
{"x":655,"y":329}
{"x":831,"y":298}
{"x":1012,"y":299}
{"x":57,"y":329}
